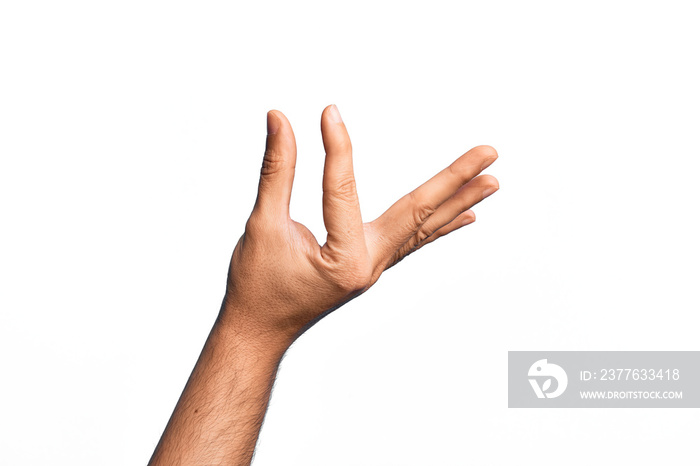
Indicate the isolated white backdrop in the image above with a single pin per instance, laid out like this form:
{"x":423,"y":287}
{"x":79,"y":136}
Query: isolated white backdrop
{"x":131,"y":135}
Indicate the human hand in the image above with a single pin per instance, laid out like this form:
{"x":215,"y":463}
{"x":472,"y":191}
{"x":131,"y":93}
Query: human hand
{"x":281,"y":281}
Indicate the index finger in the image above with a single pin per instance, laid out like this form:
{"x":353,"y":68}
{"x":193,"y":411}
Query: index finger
{"x":341,"y":207}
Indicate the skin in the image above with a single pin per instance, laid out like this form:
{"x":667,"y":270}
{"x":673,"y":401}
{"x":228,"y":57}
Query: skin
{"x":281,"y":281}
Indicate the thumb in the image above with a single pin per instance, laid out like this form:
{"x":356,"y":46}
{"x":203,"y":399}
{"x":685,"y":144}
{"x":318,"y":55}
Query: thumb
{"x":277,"y":172}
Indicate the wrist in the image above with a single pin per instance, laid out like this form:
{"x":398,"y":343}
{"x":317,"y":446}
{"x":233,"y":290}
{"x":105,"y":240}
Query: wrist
{"x":236,"y":324}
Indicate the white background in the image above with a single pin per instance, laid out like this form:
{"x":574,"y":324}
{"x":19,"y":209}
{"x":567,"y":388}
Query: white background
{"x":131,"y":136}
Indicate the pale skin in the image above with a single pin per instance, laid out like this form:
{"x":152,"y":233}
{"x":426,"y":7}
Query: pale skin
{"x":281,"y":281}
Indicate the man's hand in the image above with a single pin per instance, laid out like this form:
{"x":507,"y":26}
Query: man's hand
{"x":281,"y":281}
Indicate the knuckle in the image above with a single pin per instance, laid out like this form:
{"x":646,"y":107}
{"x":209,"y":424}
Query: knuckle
{"x":422,"y":234}
{"x":400,"y":255}
{"x":355,"y":278}
{"x":273,"y":162}
{"x":420,"y":209}
{"x":346,"y":188}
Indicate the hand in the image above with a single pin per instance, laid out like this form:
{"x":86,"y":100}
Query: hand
{"x":281,"y":281}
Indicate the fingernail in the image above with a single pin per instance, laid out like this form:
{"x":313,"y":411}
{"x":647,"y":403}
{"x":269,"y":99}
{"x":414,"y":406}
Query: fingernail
{"x":273,"y":123}
{"x":335,"y":114}
{"x":488,"y":162}
{"x":468,"y":219}
{"x":488,"y":191}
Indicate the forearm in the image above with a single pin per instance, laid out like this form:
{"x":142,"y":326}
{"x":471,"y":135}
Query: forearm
{"x":220,"y":412}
